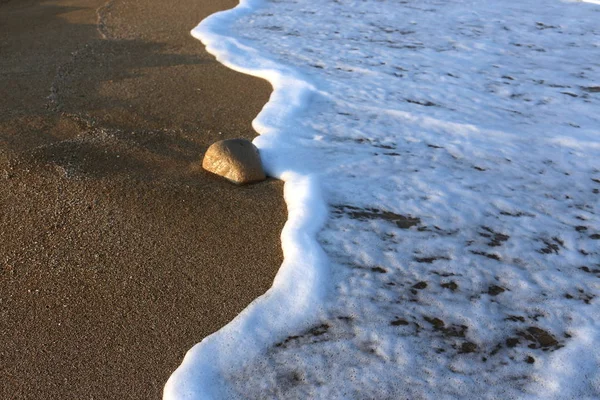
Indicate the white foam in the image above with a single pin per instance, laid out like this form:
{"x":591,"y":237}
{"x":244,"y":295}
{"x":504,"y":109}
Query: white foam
{"x":299,"y":286}
{"x":477,"y":119}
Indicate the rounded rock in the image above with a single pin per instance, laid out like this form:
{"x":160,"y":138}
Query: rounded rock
{"x":237,"y":160}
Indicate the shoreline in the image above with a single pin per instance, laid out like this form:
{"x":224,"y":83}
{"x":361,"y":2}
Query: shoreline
{"x":298,"y":289}
{"x":119,"y":254}
{"x":412,"y":291}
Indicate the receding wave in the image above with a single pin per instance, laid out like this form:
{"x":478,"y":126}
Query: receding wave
{"x":441,"y":172}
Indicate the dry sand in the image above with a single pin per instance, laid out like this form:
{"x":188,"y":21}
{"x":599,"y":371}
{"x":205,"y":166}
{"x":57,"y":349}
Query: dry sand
{"x":117,"y":253}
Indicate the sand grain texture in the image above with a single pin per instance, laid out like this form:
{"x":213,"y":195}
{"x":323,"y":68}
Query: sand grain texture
{"x":117,"y":252}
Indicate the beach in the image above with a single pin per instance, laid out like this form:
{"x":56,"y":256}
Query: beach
{"x":441,"y":200}
{"x":117,"y":252}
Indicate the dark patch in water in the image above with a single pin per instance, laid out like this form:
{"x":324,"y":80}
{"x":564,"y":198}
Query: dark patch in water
{"x":589,"y":270}
{"x":422,"y":103}
{"x":429,"y":260}
{"x":570,"y":94}
{"x":436,"y":322}
{"x":581,"y":295}
{"x":488,"y":255}
{"x":516,"y":214}
{"x":467,"y":347}
{"x":399,"y":322}
{"x":539,"y":339}
{"x":591,"y":89}
{"x":362,"y":214}
{"x":496,"y":239}
{"x":550,"y":248}
{"x":319,"y":330}
{"x":450,"y":285}
{"x":315,"y":331}
{"x":420,"y":285}
{"x":448,"y":331}
{"x":495,"y":290}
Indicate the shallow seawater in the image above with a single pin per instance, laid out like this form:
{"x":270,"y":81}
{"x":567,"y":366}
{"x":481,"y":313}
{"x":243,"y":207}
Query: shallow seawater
{"x":454,"y":146}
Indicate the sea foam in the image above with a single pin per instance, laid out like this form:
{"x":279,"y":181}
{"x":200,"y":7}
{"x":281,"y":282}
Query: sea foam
{"x":441,"y":172}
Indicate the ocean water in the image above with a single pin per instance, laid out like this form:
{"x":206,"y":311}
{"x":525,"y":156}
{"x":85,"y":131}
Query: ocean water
{"x":442,"y":169}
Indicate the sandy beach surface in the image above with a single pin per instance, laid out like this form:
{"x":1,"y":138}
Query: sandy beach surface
{"x":117,"y":252}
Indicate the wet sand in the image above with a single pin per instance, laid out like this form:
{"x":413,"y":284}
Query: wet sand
{"x":117,"y":252}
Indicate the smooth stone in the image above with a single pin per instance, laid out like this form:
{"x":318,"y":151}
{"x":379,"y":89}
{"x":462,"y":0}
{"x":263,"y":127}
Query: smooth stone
{"x":237,"y":160}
